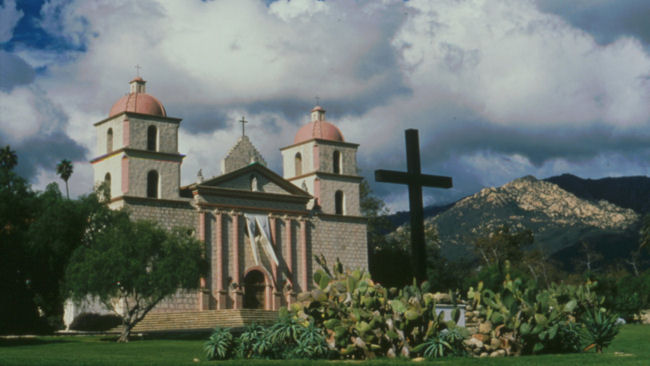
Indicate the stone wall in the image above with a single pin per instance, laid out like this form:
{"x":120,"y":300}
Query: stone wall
{"x":338,"y":236}
{"x":167,"y":133}
{"x":348,"y":157}
{"x":181,"y":301}
{"x":168,"y":177}
{"x":168,"y":214}
{"x":331,"y":183}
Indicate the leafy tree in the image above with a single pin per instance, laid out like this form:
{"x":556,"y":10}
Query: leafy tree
{"x":17,"y":310}
{"x":503,"y":244}
{"x":64,"y":170}
{"x":132,"y":266}
{"x":59,"y":226}
{"x":8,"y":158}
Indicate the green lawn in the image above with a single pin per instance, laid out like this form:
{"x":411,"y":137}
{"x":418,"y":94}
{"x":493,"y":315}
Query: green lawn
{"x":631,"y":347}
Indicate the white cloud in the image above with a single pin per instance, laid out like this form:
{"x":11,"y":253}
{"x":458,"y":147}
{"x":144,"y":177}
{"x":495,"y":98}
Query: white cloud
{"x":378,"y":67}
{"x":289,"y":10}
{"x":9,"y":17}
{"x":21,"y":115}
{"x":514,"y":65}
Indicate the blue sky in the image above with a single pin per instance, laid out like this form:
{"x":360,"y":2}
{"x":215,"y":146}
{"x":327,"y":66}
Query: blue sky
{"x":498,"y":89}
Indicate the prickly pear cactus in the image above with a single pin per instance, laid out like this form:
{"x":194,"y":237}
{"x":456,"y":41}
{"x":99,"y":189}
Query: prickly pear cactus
{"x":362,"y":319}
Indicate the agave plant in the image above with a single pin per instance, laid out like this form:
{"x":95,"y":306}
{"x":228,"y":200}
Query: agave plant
{"x":434,"y":347}
{"x":311,"y":344}
{"x":247,"y":340}
{"x":600,"y":328}
{"x":219,"y":345}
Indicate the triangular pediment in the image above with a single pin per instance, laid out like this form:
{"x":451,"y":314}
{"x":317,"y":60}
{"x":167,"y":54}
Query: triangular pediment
{"x":255,"y":179}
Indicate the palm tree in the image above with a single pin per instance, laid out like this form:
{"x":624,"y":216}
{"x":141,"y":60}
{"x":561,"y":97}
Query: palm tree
{"x":64,"y":170}
{"x":8,"y":158}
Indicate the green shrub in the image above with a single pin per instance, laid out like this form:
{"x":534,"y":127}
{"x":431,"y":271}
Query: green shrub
{"x":220,"y":344}
{"x":95,"y":322}
{"x":627,"y":295}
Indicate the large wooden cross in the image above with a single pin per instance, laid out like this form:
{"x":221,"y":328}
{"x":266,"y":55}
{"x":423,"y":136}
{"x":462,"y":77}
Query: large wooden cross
{"x":415,"y":180}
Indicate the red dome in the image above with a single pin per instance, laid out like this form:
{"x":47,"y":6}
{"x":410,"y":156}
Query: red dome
{"x":138,"y":103}
{"x":318,"y":130}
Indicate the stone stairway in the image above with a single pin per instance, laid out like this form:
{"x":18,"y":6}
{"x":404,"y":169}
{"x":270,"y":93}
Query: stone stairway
{"x":202,"y":320}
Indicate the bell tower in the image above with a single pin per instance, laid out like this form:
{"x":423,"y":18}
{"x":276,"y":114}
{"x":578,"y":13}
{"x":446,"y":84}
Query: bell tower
{"x":321,"y":162}
{"x":137,"y":148}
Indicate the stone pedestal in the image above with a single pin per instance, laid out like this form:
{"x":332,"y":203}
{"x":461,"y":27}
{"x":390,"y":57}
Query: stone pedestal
{"x":291,"y":298}
{"x":204,"y":299}
{"x":277,"y":300}
{"x":222,"y":299}
{"x":238,"y":299}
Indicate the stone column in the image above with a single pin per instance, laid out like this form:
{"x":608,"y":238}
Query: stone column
{"x":303,"y":248}
{"x":218,"y":275}
{"x":204,"y":292}
{"x":238,"y":300}
{"x":291,"y":295}
{"x":277,"y":294}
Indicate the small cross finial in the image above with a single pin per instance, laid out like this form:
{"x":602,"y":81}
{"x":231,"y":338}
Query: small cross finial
{"x":317,"y":100}
{"x":243,"y":121}
{"x":137,"y":70}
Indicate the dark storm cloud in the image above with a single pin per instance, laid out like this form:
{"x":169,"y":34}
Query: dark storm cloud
{"x":538,"y":145}
{"x":199,"y":118}
{"x":14,"y":71}
{"x":605,"y":20}
{"x":45,"y":152}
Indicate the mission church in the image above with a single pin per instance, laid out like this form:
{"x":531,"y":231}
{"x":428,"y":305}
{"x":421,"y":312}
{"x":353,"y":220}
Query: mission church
{"x":261,"y":230}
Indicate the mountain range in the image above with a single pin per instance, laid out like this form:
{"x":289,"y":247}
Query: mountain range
{"x":562,"y":212}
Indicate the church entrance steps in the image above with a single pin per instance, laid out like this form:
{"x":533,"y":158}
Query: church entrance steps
{"x":202,"y":320}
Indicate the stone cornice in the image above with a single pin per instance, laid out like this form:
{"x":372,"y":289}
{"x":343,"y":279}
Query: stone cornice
{"x":235,"y":209}
{"x":142,"y":116}
{"x":359,"y":219}
{"x":137,"y":153}
{"x":126,"y":199}
{"x":236,"y":193}
{"x":322,"y":141}
{"x":327,"y":174}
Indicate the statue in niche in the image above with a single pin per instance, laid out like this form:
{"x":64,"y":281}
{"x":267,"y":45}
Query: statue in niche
{"x":254,"y":184}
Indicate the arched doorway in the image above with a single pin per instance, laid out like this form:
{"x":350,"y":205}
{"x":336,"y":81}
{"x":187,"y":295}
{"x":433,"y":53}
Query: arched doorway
{"x":254,"y":290}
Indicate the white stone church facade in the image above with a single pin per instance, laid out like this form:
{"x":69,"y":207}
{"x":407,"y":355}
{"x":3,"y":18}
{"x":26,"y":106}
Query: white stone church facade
{"x":312,"y":209}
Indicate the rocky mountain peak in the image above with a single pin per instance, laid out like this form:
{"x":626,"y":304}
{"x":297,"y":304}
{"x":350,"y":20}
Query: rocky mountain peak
{"x":557,"y":218}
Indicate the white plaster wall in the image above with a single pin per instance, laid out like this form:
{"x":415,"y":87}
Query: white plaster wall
{"x":111,"y":165}
{"x":116,"y":124}
{"x":289,"y":155}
